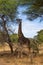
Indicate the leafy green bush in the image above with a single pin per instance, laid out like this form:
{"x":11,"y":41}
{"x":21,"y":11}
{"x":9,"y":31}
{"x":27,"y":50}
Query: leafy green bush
{"x":40,"y":36}
{"x":14,"y":38}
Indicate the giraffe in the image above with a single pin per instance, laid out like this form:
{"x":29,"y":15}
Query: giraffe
{"x":5,"y":34}
{"x":21,"y":38}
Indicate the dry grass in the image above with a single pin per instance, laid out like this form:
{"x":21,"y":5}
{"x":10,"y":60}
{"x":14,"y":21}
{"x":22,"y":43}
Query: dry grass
{"x":12,"y":60}
{"x":6,"y":58}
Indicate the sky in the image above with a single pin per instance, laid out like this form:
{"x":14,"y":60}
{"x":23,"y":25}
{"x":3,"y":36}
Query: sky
{"x":29,"y":28}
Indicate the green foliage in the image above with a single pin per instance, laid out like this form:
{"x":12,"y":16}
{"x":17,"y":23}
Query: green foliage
{"x":14,"y":38}
{"x":35,"y":10}
{"x":40,"y":36}
{"x":34,"y":44}
{"x":24,"y":1}
{"x":8,"y":7}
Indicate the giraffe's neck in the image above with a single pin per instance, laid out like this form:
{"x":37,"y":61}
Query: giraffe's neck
{"x":20,"y":30}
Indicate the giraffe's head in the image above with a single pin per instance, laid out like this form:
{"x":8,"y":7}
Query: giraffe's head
{"x":19,"y":20}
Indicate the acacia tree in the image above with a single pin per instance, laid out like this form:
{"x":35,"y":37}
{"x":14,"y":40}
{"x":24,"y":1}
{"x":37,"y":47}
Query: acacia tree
{"x":7,"y":11}
{"x":35,"y":10}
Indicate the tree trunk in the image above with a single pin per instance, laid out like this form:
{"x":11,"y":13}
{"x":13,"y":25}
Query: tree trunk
{"x":7,"y":35}
{"x":10,"y":45}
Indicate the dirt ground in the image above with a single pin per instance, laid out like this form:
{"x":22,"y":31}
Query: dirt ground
{"x":6,"y":58}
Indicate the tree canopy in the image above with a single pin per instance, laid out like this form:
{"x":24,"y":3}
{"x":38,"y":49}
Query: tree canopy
{"x":35,"y":10}
{"x":8,"y":7}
